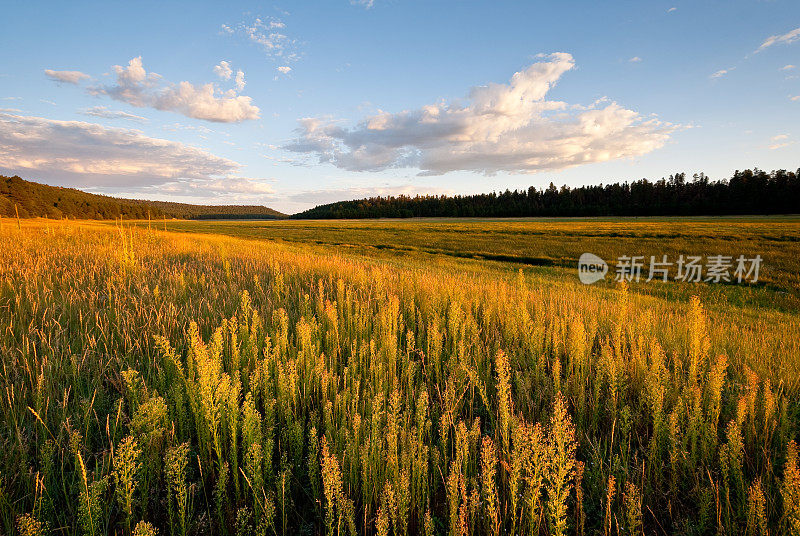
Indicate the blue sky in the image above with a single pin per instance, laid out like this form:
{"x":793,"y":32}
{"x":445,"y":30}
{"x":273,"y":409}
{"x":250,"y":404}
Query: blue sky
{"x":341,"y":100}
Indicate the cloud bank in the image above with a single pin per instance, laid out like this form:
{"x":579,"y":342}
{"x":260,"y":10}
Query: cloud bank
{"x":504,"y":127}
{"x":79,"y":154}
{"x":139,"y":88}
{"x":229,"y":189}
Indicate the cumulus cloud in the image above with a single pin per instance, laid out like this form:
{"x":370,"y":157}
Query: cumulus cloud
{"x":672,"y":9}
{"x":70,"y":77}
{"x":223,"y":70}
{"x":139,"y":88}
{"x":80,"y":154}
{"x":366,"y":4}
{"x":635,"y":59}
{"x":782,"y":39}
{"x":788,"y":67}
{"x":105,"y":113}
{"x":285,"y":69}
{"x":504,"y":127}
{"x":268,"y":34}
{"x":795,"y":98}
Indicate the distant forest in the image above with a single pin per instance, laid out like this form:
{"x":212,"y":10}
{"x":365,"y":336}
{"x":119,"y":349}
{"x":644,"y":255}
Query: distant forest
{"x":746,"y":192}
{"x":35,"y":200}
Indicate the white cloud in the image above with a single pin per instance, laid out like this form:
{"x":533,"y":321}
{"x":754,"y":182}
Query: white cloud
{"x":780,"y":141}
{"x":783,"y":39}
{"x":635,"y":59}
{"x":269,"y":35}
{"x":285,"y":69}
{"x":139,"y":88}
{"x":223,"y":70}
{"x":721,"y":73}
{"x":76,"y":153}
{"x":505,"y":127}
{"x":670,"y":10}
{"x":228,"y":188}
{"x":366,"y":4}
{"x":795,"y":98}
{"x":70,"y":77}
{"x":104,"y":112}
{"x":788,"y":67}
{"x":776,"y":146}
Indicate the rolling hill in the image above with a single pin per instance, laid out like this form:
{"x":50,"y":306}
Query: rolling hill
{"x":32,"y":200}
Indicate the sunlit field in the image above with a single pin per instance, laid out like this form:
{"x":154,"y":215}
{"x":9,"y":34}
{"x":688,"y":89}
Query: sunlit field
{"x":403,"y":377}
{"x":557,"y":243}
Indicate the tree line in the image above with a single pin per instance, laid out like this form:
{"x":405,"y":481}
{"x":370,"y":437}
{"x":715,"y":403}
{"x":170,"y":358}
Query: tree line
{"x":746,"y":192}
{"x":34,"y":200}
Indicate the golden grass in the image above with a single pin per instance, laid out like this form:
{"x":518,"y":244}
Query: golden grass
{"x":298,"y":387}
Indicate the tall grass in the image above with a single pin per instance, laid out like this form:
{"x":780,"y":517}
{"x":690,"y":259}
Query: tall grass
{"x":208,"y":385}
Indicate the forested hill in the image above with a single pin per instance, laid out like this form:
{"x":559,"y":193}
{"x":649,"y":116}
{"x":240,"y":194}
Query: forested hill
{"x":746,"y":192}
{"x":40,"y":200}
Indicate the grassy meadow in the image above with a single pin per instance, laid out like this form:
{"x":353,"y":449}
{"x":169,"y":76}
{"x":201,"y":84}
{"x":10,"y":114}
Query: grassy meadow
{"x":558,"y":243}
{"x":394,"y":377}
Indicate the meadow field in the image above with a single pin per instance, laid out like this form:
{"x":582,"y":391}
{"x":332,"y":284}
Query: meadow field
{"x":448,"y":377}
{"x":557,"y":243}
